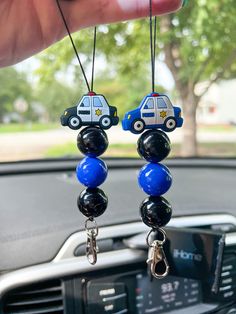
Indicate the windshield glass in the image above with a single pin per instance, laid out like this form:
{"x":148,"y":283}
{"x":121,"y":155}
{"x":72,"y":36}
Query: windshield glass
{"x":195,"y":67}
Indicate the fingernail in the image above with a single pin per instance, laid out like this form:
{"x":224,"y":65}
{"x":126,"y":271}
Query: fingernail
{"x":130,"y":5}
{"x":161,"y":6}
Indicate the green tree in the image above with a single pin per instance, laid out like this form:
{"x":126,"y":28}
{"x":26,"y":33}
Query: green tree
{"x":55,"y":98}
{"x":13,"y":85}
{"x":197,"y":45}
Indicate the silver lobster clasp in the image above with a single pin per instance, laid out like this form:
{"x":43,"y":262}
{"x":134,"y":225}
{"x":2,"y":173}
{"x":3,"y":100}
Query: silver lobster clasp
{"x":156,"y":257}
{"x":91,"y":245}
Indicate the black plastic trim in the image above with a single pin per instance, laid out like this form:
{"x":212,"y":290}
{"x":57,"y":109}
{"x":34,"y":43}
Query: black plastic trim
{"x":69,"y":164}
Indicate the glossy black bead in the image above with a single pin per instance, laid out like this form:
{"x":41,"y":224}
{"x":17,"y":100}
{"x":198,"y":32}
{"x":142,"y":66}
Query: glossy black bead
{"x":92,"y":202}
{"x":154,"y":146}
{"x":155,"y":211}
{"x":92,"y":141}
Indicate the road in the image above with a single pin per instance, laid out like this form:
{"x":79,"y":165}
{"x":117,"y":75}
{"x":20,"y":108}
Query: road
{"x":31,"y":145}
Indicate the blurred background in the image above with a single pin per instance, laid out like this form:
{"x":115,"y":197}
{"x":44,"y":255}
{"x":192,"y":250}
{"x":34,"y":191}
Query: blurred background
{"x":196,"y":67}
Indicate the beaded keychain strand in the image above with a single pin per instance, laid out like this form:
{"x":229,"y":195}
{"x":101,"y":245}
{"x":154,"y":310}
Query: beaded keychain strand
{"x":155,"y":112}
{"x":94,"y":112}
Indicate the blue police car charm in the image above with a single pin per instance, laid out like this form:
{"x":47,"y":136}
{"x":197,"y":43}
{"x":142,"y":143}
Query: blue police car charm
{"x":154,"y":112}
{"x":92,"y":109}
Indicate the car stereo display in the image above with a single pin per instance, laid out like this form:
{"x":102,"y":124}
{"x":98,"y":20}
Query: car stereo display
{"x":170,"y":293}
{"x":135,"y":292}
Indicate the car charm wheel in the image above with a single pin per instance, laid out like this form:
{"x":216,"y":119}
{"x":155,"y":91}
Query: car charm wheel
{"x":74,"y":123}
{"x":105,"y":122}
{"x":170,"y":124}
{"x":138,"y":126}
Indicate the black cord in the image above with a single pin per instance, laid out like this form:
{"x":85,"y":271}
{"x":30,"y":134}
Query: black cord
{"x":153,"y":44}
{"x":154,"y":50}
{"x":94,"y":55}
{"x":73,"y":44}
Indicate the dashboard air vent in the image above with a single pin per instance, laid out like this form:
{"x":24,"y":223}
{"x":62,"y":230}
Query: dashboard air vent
{"x":228,"y":275}
{"x":39,"y":298}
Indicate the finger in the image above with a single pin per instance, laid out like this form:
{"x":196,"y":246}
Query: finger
{"x":85,"y":13}
{"x":140,"y":8}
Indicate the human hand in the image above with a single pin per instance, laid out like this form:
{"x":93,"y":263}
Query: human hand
{"x":29,"y":26}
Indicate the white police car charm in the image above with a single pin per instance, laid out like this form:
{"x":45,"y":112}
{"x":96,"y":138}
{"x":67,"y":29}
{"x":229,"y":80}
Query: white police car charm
{"x":154,"y":112}
{"x":92,"y":109}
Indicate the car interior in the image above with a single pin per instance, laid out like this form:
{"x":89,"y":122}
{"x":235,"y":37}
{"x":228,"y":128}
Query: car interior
{"x":43,"y":268}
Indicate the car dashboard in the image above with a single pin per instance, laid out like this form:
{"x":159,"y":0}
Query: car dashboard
{"x":42,"y":263}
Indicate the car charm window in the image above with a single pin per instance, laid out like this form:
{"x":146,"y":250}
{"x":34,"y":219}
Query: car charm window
{"x":161,"y":103}
{"x":149,"y":104}
{"x":167,"y":101}
{"x":85,"y":102}
{"x":97,"y":102}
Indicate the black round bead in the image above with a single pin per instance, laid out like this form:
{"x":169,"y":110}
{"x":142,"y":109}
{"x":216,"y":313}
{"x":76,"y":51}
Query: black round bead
{"x":154,"y":145}
{"x":92,"y":141}
{"x":155,"y":211}
{"x":92,"y":202}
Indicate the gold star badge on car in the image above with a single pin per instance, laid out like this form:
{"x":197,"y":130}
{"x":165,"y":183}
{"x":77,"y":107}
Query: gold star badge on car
{"x":98,"y":112}
{"x":163,"y":114}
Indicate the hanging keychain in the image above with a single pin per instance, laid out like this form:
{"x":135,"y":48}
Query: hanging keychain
{"x":157,"y":114}
{"x":94,"y":112}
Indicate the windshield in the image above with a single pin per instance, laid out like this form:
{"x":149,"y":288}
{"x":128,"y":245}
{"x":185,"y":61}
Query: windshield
{"x":195,"y":67}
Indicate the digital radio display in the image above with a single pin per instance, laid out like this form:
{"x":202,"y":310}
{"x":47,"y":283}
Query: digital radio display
{"x":170,"y":293}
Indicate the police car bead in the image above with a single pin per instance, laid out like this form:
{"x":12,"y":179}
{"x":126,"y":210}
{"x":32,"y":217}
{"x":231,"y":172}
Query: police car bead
{"x":154,"y":112}
{"x":92,"y":109}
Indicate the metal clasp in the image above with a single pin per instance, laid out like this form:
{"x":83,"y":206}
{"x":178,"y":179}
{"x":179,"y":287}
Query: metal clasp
{"x":157,"y":256}
{"x":91,"y":246}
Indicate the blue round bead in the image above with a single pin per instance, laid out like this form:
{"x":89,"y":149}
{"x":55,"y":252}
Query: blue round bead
{"x":155,"y":179}
{"x":91,"y":172}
